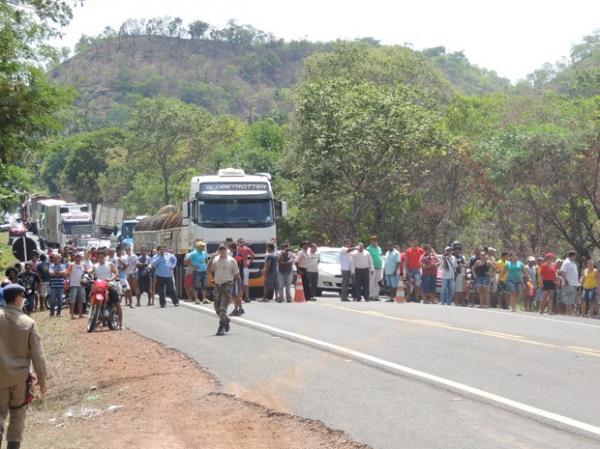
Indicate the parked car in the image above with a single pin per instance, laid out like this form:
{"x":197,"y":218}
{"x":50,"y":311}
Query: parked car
{"x":330,"y":273}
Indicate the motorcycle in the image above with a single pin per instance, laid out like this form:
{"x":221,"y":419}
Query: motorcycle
{"x":102,"y":310}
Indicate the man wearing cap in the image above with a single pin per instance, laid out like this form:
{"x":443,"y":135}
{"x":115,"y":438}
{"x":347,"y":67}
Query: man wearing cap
{"x":448,"y":277}
{"x":20,"y":345}
{"x":224,"y":270}
{"x":198,"y":261}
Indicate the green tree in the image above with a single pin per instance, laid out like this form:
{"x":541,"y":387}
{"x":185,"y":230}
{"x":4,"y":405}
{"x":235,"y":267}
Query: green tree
{"x":364,"y":146}
{"x":198,"y":29}
{"x":167,"y":137}
{"x":29,"y":103}
{"x":87,"y":160}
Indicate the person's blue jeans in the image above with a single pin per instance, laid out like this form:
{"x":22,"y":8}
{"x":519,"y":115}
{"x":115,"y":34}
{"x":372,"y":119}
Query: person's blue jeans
{"x":56,"y":296}
{"x":447,"y":291}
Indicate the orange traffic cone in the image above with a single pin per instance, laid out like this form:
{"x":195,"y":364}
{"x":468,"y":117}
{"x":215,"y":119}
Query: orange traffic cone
{"x":400,"y":296}
{"x":299,"y":290}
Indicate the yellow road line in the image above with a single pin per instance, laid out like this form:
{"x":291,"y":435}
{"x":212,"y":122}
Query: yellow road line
{"x":511,"y":337}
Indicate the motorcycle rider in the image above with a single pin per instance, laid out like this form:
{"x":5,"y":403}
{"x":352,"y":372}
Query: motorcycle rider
{"x":108,"y":272}
{"x":31,"y":282}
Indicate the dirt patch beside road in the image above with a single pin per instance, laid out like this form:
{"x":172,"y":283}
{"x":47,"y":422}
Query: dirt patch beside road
{"x":116,"y":390}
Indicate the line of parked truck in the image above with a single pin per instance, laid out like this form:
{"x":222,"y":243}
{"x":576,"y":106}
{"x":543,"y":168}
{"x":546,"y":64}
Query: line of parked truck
{"x":58,"y":222}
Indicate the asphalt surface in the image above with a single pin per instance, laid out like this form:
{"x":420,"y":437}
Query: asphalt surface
{"x":551,"y":363}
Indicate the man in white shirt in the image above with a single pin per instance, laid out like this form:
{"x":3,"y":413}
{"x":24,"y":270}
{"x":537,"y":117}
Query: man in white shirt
{"x":76,"y":292}
{"x":131,"y":271}
{"x":346,"y":267}
{"x":106,"y":271}
{"x":362,"y":267}
{"x":570,"y":274}
{"x":225,"y":271}
{"x":448,"y":276}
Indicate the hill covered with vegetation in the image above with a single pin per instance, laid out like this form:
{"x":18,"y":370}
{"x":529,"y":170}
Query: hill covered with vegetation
{"x":237,"y":70}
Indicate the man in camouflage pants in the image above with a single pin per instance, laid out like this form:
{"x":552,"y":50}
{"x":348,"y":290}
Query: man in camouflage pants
{"x":225,"y":272}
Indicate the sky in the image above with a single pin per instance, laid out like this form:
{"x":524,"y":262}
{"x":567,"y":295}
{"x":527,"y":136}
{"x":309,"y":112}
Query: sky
{"x":512,"y":37}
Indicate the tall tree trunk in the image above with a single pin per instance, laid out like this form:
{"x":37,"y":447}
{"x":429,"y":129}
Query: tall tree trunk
{"x":165,"y":188}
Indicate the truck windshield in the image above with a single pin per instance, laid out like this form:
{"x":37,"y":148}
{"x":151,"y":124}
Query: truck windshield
{"x":235,"y":213}
{"x":127,"y":230}
{"x":77,"y":228}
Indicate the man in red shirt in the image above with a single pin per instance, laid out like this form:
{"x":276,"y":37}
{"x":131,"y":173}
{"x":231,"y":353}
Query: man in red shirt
{"x":412,"y":267}
{"x":247,"y":256}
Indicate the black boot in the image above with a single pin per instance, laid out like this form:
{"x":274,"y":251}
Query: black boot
{"x":220,"y":331}
{"x":226,"y":325}
{"x":13,"y":445}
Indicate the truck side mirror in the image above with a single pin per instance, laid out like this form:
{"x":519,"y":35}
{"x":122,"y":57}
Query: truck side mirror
{"x":281,"y":208}
{"x":188,"y":212}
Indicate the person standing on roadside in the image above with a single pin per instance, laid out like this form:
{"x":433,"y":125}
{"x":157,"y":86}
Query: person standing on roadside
{"x":461,"y":271}
{"x":484,"y":269}
{"x":188,"y":279}
{"x":302,"y":267}
{"x":532,"y":275}
{"x":515,"y":272}
{"x":346,"y":268}
{"x":412,"y":268}
{"x":44,"y":274}
{"x":429,"y":267}
{"x":199,"y":262}
{"x":58,"y":271}
{"x":120,"y":261}
{"x":144,"y":277}
{"x":548,"y":274}
{"x":285,"y":268}
{"x":164,"y":263}
{"x":131,"y":271}
{"x":570,"y":274}
{"x":224,"y":270}
{"x":502,"y":291}
{"x":269,"y":273}
{"x":237,"y":297}
{"x":377,"y":258}
{"x":21,"y":346}
{"x":362,"y":265}
{"x":449,"y":274}
{"x":76,"y":291}
{"x":247,"y":255}
{"x":391,"y":270}
{"x":312,"y":269}
{"x":590,"y":281}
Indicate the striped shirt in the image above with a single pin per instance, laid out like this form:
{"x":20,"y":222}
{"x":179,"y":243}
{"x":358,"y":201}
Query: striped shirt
{"x":57,"y":281}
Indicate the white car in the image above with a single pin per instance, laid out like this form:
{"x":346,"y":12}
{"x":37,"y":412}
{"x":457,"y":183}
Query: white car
{"x":330,"y":273}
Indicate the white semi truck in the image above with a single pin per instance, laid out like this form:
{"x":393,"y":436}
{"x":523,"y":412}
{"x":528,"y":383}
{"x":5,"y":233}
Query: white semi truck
{"x":231,"y":205}
{"x":61,"y":223}
{"x":33,"y":207}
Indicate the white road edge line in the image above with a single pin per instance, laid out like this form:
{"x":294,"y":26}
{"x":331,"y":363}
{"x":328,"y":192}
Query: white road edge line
{"x":369,"y":359}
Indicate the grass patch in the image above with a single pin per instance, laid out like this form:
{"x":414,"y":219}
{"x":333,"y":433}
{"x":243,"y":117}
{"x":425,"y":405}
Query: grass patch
{"x":6,"y":258}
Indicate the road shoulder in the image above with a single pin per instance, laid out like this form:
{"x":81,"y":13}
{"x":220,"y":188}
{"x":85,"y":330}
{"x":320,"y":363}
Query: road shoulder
{"x":121,"y":390}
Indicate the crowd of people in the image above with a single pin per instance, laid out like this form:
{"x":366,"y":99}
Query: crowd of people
{"x":545,"y":284}
{"x":54,"y":280}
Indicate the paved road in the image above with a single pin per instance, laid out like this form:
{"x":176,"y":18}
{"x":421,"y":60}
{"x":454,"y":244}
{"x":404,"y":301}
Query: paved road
{"x":549,"y":363}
